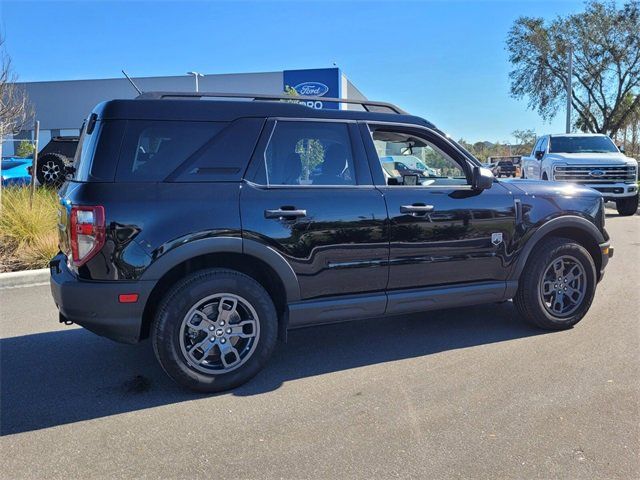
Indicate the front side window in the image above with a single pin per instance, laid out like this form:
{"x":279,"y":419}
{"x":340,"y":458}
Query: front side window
{"x":582,"y":144}
{"x":403,"y":154}
{"x":309,"y":153}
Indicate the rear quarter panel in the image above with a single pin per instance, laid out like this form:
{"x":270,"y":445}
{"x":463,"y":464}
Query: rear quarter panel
{"x":144,"y":221}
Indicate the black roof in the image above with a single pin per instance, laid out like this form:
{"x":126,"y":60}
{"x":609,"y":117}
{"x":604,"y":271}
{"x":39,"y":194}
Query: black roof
{"x":229,"y":110}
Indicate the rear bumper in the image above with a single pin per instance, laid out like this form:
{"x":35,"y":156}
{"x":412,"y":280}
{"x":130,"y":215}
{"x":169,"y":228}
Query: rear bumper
{"x":95,"y":305}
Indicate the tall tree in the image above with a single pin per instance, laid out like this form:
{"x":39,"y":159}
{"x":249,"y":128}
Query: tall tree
{"x":606,"y":68}
{"x":525,"y":140}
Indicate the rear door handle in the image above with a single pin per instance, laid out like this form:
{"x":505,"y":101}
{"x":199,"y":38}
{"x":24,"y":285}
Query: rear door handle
{"x":285,"y":213}
{"x":416,"y":209}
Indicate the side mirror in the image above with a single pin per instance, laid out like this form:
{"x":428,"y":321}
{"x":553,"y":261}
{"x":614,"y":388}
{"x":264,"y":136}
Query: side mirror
{"x":482,"y":178}
{"x":539,"y":154}
{"x":621,"y":148}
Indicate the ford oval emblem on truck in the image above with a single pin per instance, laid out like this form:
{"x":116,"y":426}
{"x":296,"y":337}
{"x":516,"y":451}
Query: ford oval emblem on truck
{"x":311,"y":89}
{"x":596,"y":173}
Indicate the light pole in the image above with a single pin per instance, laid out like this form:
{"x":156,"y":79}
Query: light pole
{"x":196,"y":75}
{"x":569,"y":88}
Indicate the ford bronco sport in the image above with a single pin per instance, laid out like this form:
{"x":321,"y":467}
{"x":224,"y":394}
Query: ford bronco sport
{"x":213,"y":226}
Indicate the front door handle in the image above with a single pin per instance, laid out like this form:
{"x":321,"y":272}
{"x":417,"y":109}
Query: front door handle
{"x":284,"y":212}
{"x":416,"y":209}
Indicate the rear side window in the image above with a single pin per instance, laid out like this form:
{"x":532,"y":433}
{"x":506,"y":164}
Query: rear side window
{"x":309,"y":153}
{"x":152,"y":150}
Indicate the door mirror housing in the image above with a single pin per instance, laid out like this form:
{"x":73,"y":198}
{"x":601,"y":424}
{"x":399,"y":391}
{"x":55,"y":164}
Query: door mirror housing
{"x":539,"y":154}
{"x":482,"y":178}
{"x":621,"y":148}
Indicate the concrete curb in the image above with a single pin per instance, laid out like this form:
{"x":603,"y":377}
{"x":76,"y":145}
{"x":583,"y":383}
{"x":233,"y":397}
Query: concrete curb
{"x":23,"y":278}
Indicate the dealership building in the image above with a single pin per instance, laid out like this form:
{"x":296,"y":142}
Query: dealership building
{"x":61,"y":106}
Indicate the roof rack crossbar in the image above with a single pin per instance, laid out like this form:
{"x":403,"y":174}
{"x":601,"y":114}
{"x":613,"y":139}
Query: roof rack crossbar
{"x":366,"y":104}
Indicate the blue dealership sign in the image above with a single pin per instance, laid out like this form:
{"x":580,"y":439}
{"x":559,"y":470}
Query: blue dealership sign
{"x":319,"y":82}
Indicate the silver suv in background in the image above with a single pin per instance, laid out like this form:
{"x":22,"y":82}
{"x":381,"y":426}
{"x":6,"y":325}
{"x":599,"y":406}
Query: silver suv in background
{"x":592,"y":160}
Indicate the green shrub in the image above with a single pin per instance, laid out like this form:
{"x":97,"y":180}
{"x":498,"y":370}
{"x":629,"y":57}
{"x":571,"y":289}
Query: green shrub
{"x":25,"y":149}
{"x":28,"y":235}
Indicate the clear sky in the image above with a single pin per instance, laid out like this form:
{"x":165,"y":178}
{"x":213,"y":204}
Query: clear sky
{"x":445,"y":61}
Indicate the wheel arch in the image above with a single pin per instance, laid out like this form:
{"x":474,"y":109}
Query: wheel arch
{"x":575,"y":228}
{"x":252,"y":258}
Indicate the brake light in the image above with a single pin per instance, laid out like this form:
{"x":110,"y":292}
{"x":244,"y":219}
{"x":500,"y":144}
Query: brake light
{"x":87,"y":232}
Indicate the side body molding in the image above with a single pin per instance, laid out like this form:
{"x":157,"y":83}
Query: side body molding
{"x":568,"y":221}
{"x":222,"y":244}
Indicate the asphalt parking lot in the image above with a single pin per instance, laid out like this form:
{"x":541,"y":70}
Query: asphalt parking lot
{"x":465,"y":393}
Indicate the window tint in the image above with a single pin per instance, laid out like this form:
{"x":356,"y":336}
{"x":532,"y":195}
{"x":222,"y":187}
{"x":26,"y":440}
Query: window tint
{"x":309,"y":153}
{"x":153,"y":149}
{"x":405,"y":154}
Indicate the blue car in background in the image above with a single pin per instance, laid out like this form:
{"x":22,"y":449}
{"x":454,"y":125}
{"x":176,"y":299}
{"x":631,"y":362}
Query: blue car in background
{"x":15,"y":171}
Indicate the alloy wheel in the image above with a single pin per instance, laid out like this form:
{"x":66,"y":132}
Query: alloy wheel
{"x":563,"y":286}
{"x":219,"y":333}
{"x":51,"y":171}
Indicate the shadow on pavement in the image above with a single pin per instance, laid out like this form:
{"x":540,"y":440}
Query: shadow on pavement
{"x":61,"y":377}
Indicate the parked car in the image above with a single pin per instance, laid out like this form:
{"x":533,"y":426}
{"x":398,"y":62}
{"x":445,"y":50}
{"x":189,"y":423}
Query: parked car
{"x":189,"y":222}
{"x":592,"y":160}
{"x":504,"y":166}
{"x":412,"y":163}
{"x":55,"y":160}
{"x":15,"y":171}
{"x":399,"y":169}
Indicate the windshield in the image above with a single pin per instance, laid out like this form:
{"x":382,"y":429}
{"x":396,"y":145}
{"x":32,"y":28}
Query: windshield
{"x":580,"y":144}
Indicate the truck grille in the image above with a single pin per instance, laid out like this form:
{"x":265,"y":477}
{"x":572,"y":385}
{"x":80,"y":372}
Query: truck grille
{"x":594,"y":174}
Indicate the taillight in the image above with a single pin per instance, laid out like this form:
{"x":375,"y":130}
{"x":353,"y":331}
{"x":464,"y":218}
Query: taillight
{"x":87,"y":232}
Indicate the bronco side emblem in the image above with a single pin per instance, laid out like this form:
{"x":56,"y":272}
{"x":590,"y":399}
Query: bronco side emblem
{"x":496,"y":238}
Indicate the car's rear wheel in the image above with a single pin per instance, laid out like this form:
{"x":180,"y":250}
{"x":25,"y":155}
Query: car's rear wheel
{"x":627,"y":206}
{"x":557,"y":285}
{"x":215,"y":330}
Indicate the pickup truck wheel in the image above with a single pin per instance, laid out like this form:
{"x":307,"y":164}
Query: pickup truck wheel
{"x":215,"y":330}
{"x":557,"y":285}
{"x":627,"y":206}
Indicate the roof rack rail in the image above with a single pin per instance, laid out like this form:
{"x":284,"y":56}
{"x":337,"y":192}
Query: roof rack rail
{"x":368,"y":105}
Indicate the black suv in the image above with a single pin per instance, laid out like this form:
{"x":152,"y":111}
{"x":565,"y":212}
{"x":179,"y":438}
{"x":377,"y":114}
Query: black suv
{"x":213,"y":226}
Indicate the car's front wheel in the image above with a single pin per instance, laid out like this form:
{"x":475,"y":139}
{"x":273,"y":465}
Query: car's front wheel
{"x":215,"y":330}
{"x":627,"y":206}
{"x":557,"y":285}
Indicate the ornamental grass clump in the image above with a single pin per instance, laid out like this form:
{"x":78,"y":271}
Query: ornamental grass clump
{"x":28,"y":235}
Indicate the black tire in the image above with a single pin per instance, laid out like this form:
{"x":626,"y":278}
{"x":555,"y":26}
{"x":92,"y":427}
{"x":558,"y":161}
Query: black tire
{"x":51,"y":169}
{"x":529,"y":299}
{"x":178,"y":302}
{"x":627,"y":206}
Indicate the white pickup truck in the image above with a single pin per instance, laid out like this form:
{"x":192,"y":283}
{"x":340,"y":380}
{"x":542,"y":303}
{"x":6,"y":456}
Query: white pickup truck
{"x":588,"y":159}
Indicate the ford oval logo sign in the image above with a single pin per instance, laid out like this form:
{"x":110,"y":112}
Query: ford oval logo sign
{"x":311,"y":89}
{"x":596,"y":173}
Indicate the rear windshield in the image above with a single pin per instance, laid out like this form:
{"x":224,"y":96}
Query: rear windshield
{"x":580,"y":144}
